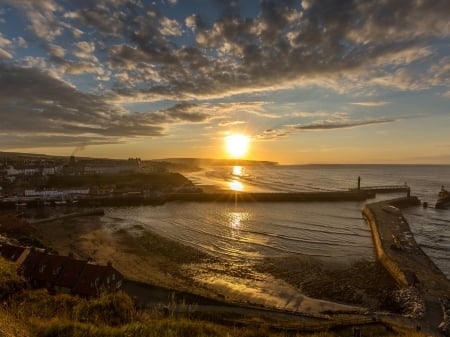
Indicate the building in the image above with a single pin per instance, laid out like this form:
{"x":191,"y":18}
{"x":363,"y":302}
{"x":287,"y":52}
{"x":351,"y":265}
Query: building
{"x":62,"y":273}
{"x":11,"y":252}
{"x":57,"y":193}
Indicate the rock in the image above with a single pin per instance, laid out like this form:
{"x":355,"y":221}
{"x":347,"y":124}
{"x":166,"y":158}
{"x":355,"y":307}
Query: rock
{"x":411,"y":302}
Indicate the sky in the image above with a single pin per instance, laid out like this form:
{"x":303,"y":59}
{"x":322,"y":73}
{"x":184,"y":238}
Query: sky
{"x":348,"y":81}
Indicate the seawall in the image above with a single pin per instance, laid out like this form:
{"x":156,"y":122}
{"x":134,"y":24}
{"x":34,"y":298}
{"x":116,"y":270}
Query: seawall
{"x":270,"y":196}
{"x":389,"y":264}
{"x":226,"y":196}
{"x":399,"y":253}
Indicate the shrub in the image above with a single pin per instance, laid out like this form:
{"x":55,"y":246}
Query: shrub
{"x":10,"y":282}
{"x":110,"y":309}
{"x":40,"y":304}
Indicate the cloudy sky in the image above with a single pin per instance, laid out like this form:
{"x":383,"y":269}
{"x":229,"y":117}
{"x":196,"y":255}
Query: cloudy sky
{"x":348,"y":81}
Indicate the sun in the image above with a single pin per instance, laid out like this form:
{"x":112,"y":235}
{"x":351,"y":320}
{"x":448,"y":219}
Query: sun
{"x":237,"y":145}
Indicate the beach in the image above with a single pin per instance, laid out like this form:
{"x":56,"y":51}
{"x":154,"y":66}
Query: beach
{"x":280,"y":283}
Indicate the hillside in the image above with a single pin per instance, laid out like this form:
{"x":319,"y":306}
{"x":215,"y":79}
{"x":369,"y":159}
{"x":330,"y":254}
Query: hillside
{"x":27,"y":313}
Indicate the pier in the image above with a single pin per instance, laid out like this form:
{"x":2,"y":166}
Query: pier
{"x":271,"y":196}
{"x":225,"y":196}
{"x":383,"y":189}
{"x":399,"y":253}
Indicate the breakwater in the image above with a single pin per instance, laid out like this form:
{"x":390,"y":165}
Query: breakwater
{"x":271,"y":197}
{"x":226,"y":196}
{"x":399,"y":253}
{"x":397,"y":249}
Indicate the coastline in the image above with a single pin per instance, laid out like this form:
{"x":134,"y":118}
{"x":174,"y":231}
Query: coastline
{"x":143,"y":256}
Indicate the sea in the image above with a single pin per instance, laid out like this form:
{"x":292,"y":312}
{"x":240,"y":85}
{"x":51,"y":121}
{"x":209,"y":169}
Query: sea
{"x":247,"y":232}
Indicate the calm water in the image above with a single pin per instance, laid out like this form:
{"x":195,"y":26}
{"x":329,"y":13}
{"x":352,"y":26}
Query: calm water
{"x":246,"y":232}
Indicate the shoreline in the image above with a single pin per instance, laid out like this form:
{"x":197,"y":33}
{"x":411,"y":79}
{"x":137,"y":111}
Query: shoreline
{"x":144,"y":256}
{"x":132,"y":250}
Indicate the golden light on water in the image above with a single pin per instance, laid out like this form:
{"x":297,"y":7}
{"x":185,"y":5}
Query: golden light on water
{"x":236,"y":185}
{"x":236,"y":221}
{"x":237,"y":145}
{"x":237,"y":170}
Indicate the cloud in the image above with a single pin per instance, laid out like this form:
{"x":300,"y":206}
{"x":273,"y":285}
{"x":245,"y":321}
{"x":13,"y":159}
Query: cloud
{"x":371,"y":103}
{"x":323,"y":43}
{"x":21,"y":42}
{"x":187,"y":112}
{"x":54,"y":110}
{"x":333,"y":126}
{"x":334,"y":123}
{"x":57,"y":112}
{"x":283,"y":46}
{"x":270,"y":134}
{"x":56,"y":52}
{"x":5,"y":54}
{"x":43,"y":21}
{"x":5,"y":44}
{"x":136,"y":51}
{"x":170,"y":27}
{"x":85,"y":50}
{"x":230,"y":123}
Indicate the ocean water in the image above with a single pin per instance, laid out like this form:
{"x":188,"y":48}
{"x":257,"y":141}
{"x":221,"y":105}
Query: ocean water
{"x":247,"y":232}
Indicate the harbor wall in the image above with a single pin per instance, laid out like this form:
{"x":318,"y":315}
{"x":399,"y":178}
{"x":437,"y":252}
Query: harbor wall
{"x":226,"y":196}
{"x":392,"y":267}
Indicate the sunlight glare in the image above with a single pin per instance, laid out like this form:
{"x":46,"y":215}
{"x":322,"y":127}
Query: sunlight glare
{"x":237,"y":171}
{"x":236,"y":186}
{"x":237,"y":145}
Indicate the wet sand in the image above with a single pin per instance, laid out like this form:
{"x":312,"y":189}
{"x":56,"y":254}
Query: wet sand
{"x":275,"y":283}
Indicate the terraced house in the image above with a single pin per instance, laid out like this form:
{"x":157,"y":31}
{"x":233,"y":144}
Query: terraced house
{"x":62,"y":273}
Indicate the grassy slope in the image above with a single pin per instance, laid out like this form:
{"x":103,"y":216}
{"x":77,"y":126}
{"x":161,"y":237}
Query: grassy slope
{"x":36,"y":313}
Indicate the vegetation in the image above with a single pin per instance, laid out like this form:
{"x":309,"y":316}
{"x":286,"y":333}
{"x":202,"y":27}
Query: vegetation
{"x":28,"y":313}
{"x":19,"y":229}
{"x":10,"y":282}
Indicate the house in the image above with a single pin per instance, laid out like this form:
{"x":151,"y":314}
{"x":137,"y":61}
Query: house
{"x":30,"y":170}
{"x":43,"y":270}
{"x":95,"y":279}
{"x":62,"y":273}
{"x":57,"y":194}
{"x":11,"y":252}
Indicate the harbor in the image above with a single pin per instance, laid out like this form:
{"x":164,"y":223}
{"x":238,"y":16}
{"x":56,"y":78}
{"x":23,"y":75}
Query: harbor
{"x":138,"y":198}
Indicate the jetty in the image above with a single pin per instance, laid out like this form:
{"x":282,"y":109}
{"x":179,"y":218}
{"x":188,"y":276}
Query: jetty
{"x":403,"y":258}
{"x":382,"y":189}
{"x":271,"y":196}
{"x":223,"y":196}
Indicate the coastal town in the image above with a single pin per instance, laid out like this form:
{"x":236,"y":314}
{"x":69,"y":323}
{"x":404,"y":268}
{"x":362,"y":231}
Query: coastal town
{"x":37,"y":191}
{"x":41,"y":181}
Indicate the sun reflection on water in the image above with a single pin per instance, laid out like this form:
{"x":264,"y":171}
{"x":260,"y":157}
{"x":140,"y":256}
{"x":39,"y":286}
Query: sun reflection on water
{"x":236,"y":185}
{"x":236,"y":220}
{"x":237,"y":171}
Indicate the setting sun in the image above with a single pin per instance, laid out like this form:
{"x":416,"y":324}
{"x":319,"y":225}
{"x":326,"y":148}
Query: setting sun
{"x":237,"y":145}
